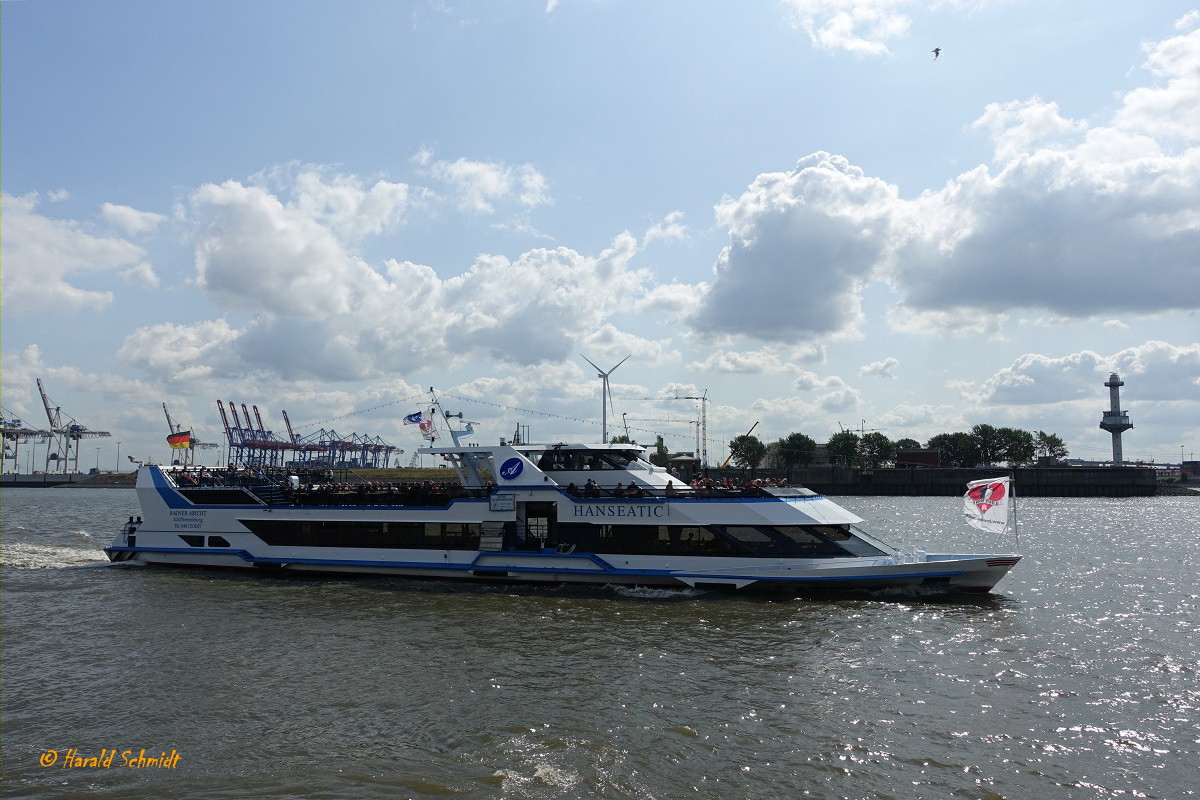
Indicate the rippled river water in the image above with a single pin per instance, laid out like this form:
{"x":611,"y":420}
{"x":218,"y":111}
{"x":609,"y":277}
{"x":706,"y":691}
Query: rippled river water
{"x":1077,"y":679}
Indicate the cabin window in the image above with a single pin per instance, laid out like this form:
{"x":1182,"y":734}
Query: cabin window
{"x":382,"y":535}
{"x":847,"y":541}
{"x":555,"y":460}
{"x":219,"y":497}
{"x":662,"y":540}
{"x":193,"y":541}
{"x":754,"y":540}
{"x":586,"y":538}
{"x":808,"y":543}
{"x":827,"y":540}
{"x":218,"y":541}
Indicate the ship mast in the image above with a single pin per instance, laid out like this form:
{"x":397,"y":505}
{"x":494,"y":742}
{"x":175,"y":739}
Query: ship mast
{"x":467,"y":473}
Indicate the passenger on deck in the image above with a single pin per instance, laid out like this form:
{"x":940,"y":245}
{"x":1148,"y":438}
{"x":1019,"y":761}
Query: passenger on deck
{"x":634,"y":490}
{"x":572,"y":489}
{"x":671,"y":490}
{"x":591,"y":488}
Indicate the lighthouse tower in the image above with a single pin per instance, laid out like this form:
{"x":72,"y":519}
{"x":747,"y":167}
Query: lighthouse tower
{"x":1115,"y":421}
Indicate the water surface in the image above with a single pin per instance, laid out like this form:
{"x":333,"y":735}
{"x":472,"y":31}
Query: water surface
{"x":1077,"y":679}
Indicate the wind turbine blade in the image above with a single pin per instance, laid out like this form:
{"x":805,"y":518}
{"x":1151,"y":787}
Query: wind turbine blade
{"x":585,"y":358}
{"x":619,"y":363}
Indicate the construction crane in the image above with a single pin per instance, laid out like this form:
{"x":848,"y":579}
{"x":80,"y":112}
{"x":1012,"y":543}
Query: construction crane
{"x":703,"y":398}
{"x":65,"y":433}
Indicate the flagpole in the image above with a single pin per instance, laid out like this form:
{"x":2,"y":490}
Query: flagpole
{"x":1016,"y":533}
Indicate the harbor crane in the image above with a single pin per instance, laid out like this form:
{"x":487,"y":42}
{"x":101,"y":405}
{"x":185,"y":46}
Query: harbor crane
{"x":174,"y":429}
{"x":15,"y":433}
{"x":65,"y":434}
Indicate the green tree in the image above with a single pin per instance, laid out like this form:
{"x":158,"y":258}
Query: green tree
{"x":955,"y":449}
{"x":908,"y":444}
{"x":660,"y":457}
{"x":747,"y":451}
{"x":795,"y":450}
{"x":876,"y":448}
{"x":989,"y":443}
{"x":1017,"y":446}
{"x":622,"y":439}
{"x":842,"y":448}
{"x":1048,"y":445}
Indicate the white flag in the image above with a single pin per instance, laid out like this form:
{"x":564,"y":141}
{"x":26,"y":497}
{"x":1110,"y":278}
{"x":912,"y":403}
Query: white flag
{"x":987,"y":504}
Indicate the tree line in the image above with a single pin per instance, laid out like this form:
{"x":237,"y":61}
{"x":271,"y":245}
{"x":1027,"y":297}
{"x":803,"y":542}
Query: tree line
{"x":983,"y":444}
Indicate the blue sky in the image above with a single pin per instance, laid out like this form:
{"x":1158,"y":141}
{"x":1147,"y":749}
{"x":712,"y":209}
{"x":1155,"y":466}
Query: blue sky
{"x":326,"y":207}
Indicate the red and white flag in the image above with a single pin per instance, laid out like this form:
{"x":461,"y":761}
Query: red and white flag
{"x":988,"y":503}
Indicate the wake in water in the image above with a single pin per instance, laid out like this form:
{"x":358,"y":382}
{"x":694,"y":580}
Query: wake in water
{"x":27,"y":555}
{"x":655,"y":592}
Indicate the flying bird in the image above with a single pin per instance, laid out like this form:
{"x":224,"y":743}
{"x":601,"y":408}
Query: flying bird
{"x":937,"y":51}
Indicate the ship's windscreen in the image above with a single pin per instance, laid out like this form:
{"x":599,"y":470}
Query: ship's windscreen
{"x":845,"y":540}
{"x":481,"y":464}
{"x":579,"y":460}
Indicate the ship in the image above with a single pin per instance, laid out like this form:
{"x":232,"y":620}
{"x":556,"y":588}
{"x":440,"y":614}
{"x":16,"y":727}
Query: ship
{"x":515,"y":512}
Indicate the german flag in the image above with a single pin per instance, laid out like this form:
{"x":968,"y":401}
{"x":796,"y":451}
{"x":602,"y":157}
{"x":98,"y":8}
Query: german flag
{"x":180,"y":440}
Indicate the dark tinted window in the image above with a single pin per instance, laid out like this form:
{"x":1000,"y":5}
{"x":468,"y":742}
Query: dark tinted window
{"x":219,"y":497}
{"x":383,"y":535}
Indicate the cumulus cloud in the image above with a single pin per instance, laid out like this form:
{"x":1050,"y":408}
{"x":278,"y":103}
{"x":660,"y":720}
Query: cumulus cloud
{"x":44,"y":257}
{"x":141,"y":274}
{"x":255,"y":251}
{"x":833,"y":393}
{"x":818,"y":231}
{"x":609,"y":343}
{"x":289,"y":256}
{"x":1159,"y":371}
{"x":740,"y":363}
{"x":1170,"y":108}
{"x":1069,"y":214}
{"x":881,"y":369}
{"x":1060,"y":223}
{"x":778,"y":359}
{"x":182,"y":352}
{"x":345,"y":205}
{"x":85,"y":396}
{"x":534,"y":308}
{"x":479,"y":185}
{"x":906,"y":417}
{"x":130,"y":220}
{"x":859,"y":26}
{"x":669,"y":228}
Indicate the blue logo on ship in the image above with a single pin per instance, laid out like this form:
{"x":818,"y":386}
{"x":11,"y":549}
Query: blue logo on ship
{"x":510,"y":469}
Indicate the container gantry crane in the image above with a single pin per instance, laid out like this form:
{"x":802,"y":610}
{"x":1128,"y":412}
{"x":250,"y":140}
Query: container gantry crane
{"x":65,"y":434}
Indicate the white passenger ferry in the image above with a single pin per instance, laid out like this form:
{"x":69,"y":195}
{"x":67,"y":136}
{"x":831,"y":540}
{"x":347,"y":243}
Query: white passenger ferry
{"x":552,"y":513}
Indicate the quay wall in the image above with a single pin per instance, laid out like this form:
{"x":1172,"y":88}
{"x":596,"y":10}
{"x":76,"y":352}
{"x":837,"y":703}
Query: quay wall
{"x":949,"y":482}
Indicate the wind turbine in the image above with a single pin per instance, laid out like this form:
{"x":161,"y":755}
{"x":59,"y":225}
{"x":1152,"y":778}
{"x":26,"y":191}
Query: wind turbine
{"x":605,"y":398}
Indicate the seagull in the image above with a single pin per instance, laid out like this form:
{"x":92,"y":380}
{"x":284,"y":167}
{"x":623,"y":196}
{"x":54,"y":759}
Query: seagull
{"x":937,"y":51}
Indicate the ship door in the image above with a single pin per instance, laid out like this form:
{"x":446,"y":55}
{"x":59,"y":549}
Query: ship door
{"x":540,"y":521}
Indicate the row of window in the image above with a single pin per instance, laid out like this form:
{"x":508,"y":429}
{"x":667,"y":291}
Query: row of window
{"x":342,"y":533}
{"x":578,"y":460}
{"x":815,"y":541}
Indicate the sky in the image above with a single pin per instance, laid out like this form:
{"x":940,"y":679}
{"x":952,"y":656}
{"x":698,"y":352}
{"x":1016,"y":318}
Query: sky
{"x":789,"y":206}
